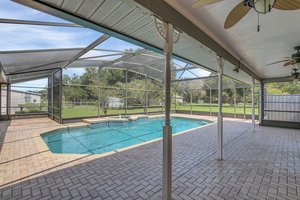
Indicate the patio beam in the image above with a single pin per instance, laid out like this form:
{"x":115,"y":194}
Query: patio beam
{"x":28,"y":78}
{"x":277,"y":79}
{"x":87,"y":49}
{"x":167,"y":129}
{"x":182,"y":69}
{"x":220,"y":61}
{"x":38,"y":23}
{"x":192,"y":79}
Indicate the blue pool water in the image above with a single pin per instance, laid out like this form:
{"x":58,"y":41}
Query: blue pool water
{"x":106,"y":137}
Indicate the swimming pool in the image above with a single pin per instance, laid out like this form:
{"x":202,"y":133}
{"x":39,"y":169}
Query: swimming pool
{"x":105,"y":137}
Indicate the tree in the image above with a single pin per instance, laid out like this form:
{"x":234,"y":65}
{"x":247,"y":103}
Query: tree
{"x":284,"y":88}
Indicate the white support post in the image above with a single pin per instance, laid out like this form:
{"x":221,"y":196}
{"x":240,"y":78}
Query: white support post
{"x":175,"y":100}
{"x":163,"y":99}
{"x":60,"y":96}
{"x":99,"y":92}
{"x":167,"y":129}
{"x":191,"y":102}
{"x":244,"y":99}
{"x":210,"y":101}
{"x":52,"y":95}
{"x":261,"y":103}
{"x":253,"y":106}
{"x":126,"y":91}
{"x":146,"y":95}
{"x":220,"y":61}
{"x":8,"y":99}
{"x":1,"y":99}
{"x":234,"y":102}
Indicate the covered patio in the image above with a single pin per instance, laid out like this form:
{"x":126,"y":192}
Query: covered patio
{"x":249,"y":153}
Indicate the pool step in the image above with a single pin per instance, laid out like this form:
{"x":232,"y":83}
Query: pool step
{"x":99,"y":120}
{"x":113,"y":119}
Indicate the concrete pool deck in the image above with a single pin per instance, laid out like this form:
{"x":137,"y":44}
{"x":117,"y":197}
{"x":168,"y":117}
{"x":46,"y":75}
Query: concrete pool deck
{"x":260,"y":165}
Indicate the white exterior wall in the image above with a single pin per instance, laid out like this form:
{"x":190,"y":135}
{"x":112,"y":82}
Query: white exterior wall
{"x":114,"y":102}
{"x":17,"y":98}
{"x":282,"y":103}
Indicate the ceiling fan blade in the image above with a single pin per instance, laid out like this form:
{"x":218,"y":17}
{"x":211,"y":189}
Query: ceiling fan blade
{"x":201,"y":3}
{"x":287,"y":4}
{"x":277,"y":62}
{"x":237,"y":13}
{"x":291,"y":62}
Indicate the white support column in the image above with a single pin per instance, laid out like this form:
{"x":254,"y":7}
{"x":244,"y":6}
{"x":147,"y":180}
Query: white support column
{"x":146,"y":95}
{"x":126,"y":91}
{"x":60,"y":96}
{"x":261,"y":103}
{"x":175,"y":100}
{"x":210,"y":101}
{"x":191,"y":102}
{"x":244,"y":99}
{"x":167,"y":129}
{"x":234,"y":102}
{"x":163,"y":99}
{"x":52,"y":99}
{"x":99,"y":92}
{"x":0,"y":100}
{"x":8,"y":99}
{"x":253,"y":106}
{"x":220,"y":61}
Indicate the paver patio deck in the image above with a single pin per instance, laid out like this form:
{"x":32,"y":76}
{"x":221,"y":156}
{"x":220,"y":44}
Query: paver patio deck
{"x":258,"y":165}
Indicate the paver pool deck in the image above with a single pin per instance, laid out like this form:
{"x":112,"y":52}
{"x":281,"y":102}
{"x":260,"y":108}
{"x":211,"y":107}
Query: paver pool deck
{"x":264,"y":164}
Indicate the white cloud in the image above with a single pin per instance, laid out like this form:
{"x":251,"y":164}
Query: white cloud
{"x":20,"y":37}
{"x":12,"y":10}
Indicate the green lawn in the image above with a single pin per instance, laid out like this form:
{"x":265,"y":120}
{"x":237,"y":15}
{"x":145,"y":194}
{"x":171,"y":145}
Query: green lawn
{"x":226,"y":108}
{"x":91,"y":110}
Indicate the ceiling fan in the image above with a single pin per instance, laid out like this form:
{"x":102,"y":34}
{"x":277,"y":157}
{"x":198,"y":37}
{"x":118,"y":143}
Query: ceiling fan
{"x":293,"y":60}
{"x":260,"y":6}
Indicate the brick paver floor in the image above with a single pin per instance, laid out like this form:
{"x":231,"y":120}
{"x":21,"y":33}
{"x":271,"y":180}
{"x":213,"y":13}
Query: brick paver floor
{"x":257,"y":165}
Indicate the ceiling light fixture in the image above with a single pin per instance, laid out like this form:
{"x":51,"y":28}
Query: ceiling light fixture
{"x":237,"y":69}
{"x":261,"y":7}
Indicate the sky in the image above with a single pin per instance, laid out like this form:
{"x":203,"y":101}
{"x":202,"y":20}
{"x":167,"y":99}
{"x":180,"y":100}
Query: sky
{"x":25,"y":37}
